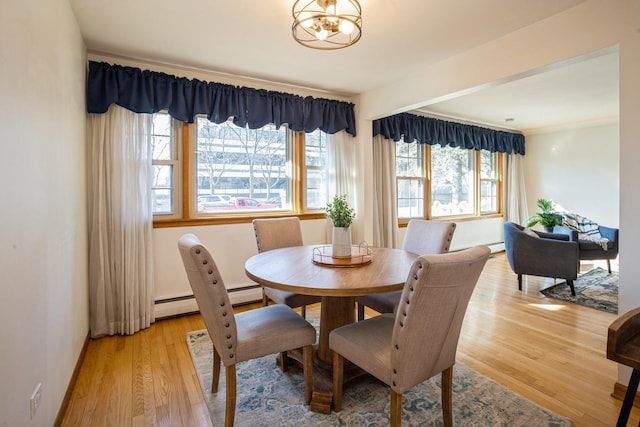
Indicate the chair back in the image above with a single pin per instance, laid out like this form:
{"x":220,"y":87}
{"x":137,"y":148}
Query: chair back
{"x":274,"y":233}
{"x":430,"y":314}
{"x":427,"y":237}
{"x":211,"y":296}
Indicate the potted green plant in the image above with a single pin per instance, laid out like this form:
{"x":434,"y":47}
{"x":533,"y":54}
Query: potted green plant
{"x":341,"y":216}
{"x":547,"y":217}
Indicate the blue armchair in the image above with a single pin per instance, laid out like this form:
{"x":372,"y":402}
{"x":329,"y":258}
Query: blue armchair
{"x":537,"y":253}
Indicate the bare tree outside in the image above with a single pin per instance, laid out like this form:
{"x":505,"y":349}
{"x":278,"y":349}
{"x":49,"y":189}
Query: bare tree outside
{"x":241,"y":161}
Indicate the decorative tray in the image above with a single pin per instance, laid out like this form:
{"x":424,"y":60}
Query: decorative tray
{"x":360,"y":255}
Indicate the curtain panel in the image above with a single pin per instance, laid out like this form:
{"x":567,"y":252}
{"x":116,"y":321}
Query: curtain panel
{"x":426,"y":130}
{"x":120,"y":222}
{"x":149,"y":92}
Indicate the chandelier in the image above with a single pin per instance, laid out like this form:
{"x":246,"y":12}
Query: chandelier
{"x":327,"y":24}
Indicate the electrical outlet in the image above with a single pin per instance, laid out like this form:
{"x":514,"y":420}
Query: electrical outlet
{"x":36,"y":399}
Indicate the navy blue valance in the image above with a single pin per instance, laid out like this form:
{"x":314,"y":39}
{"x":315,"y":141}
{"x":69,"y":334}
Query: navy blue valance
{"x":149,"y":92}
{"x":426,"y":130}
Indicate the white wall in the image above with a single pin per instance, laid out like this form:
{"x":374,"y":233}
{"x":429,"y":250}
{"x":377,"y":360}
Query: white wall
{"x":230,"y":245}
{"x":579,"y":169}
{"x":629,"y":291}
{"x":43,"y":249}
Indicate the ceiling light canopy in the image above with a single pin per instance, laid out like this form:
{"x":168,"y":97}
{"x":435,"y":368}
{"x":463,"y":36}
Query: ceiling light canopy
{"x":327,"y":24}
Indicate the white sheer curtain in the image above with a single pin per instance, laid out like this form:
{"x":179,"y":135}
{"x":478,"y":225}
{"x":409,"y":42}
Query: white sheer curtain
{"x":516,"y":195}
{"x":120,"y":222}
{"x":341,"y":169}
{"x":385,"y":199}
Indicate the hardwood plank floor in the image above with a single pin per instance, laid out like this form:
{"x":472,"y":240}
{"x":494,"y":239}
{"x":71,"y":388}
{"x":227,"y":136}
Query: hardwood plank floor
{"x":549,"y":352}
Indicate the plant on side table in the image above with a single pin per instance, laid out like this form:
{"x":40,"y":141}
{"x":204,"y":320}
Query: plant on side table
{"x":341,"y":215}
{"x":547,"y":217}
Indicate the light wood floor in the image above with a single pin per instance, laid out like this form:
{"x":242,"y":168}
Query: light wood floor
{"x":549,"y":352}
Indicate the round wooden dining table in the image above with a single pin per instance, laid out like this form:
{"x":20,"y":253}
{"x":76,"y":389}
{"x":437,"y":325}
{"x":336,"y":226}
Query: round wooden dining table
{"x":295,"y":269}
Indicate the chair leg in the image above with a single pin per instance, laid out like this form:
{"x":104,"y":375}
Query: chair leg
{"x":215,"y":380}
{"x":629,"y":396}
{"x":307,"y":354}
{"x":609,"y":265}
{"x":519,"y":282}
{"x":284,"y":362}
{"x":303,"y":311}
{"x":338,"y":379}
{"x":265,"y":299}
{"x":360,"y":312}
{"x":230,"y":406}
{"x":395,"y":417}
{"x":573,"y":289}
{"x":447,"y":397}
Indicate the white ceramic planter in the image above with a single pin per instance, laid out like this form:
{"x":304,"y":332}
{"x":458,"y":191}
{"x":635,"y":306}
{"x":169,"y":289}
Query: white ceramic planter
{"x":341,"y":242}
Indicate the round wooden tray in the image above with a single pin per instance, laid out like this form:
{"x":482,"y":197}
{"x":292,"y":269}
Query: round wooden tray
{"x":360,"y":255}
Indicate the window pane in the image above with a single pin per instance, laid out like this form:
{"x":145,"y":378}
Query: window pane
{"x":452,"y":182}
{"x":410,"y":198}
{"x":316,"y":189}
{"x":488,"y":197}
{"x":241,"y":169}
{"x":162,"y":201}
{"x":162,"y":190}
{"x":408,"y":159}
{"x":488,"y":165}
{"x":315,"y":148}
{"x":161,"y":137}
{"x":316,"y":178}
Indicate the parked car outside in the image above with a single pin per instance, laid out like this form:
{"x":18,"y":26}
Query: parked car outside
{"x":250,"y":203}
{"x":214,"y":201}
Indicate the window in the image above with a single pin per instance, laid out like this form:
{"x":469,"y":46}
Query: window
{"x":165,"y":166}
{"x":410,"y":177}
{"x":227,"y":171}
{"x":489,"y":182}
{"x":242,"y":169}
{"x":452,"y":181}
{"x":436,"y":181}
{"x":315,"y":154}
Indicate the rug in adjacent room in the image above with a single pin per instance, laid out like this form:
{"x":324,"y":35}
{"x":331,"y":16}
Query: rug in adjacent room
{"x":596,"y":288}
{"x":268,"y":397}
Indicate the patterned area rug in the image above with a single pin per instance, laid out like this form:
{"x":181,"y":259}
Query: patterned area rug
{"x":596,"y":289}
{"x":267,"y":397}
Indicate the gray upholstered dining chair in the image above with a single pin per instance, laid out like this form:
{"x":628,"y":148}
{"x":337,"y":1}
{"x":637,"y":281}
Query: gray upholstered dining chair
{"x":420,"y":340}
{"x":423,"y":237}
{"x":274,"y":233}
{"x":247,"y":335}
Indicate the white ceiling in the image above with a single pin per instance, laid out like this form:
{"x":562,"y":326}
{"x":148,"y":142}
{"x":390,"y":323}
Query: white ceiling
{"x":252,"y":38}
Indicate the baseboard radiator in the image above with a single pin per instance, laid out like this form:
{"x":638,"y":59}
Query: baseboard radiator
{"x":170,"y":307}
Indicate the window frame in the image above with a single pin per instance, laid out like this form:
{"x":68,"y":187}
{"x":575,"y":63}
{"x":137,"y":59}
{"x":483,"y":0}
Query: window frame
{"x":186,"y":146}
{"x":176,"y":164}
{"x":427,"y":181}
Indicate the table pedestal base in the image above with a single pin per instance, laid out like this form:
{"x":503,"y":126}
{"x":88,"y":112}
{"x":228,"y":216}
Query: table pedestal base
{"x":322,"y":396}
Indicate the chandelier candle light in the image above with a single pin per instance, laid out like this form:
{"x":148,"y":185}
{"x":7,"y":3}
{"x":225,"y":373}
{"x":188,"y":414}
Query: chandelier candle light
{"x":327,"y":24}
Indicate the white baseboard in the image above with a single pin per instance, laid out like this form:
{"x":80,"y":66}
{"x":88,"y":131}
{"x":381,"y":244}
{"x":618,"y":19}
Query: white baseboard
{"x":187,"y":304}
{"x":496,"y":247}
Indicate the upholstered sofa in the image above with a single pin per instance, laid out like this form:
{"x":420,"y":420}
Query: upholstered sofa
{"x":592,"y":250}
